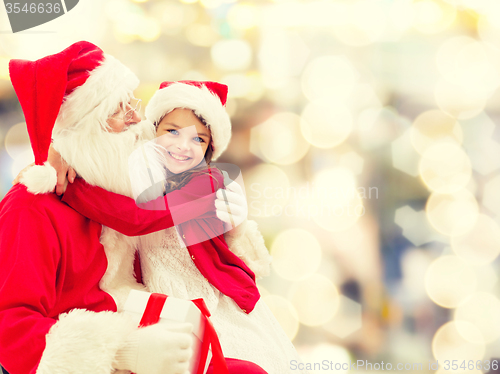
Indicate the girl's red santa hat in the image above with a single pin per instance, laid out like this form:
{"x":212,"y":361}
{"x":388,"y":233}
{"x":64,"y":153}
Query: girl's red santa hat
{"x":206,"y":99}
{"x":73,"y":90}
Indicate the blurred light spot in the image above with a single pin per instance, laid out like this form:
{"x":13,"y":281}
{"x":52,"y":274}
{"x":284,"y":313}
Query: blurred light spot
{"x":243,"y":16}
{"x":285,"y":314}
{"x":296,"y":253}
{"x":248,"y":86}
{"x":17,"y":140}
{"x":432,"y":127}
{"x":449,"y":51}
{"x":4,"y":68}
{"x":352,"y":161}
{"x":486,"y":158}
{"x":150,"y":30}
{"x":280,"y":139}
{"x":488,"y":27}
{"x":481,"y":310}
{"x":268,"y":188}
{"x":334,"y":353}
{"x":21,"y":161}
{"x":363,"y":97}
{"x":445,"y":168}
{"x":174,"y":16}
{"x":449,"y":343}
{"x":470,"y":64}
{"x":375,"y":126}
{"x":336,"y":201}
{"x":262,"y":290}
{"x":449,"y":281}
{"x":201,"y":35}
{"x":326,"y":126}
{"x":404,"y":157}
{"x":416,"y":227}
{"x":491,"y":197}
{"x":210,"y":4}
{"x":414,"y":265}
{"x":481,"y":244}
{"x":364,"y":23}
{"x":459,"y":101}
{"x":477,"y":130}
{"x":452,"y":214}
{"x":136,"y":25}
{"x":315,"y":298}
{"x":401,"y":17}
{"x":232,"y":54}
{"x":288,"y":94}
{"x":189,"y":1}
{"x":281,"y":56}
{"x":329,"y":77}
{"x":433,"y":16}
{"x":349,"y":240}
{"x":347,"y":320}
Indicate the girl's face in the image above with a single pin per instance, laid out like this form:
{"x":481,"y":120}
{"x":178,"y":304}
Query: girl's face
{"x":185,"y":139}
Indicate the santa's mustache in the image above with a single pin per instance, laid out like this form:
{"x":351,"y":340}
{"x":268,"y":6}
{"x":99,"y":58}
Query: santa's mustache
{"x":101,"y":157}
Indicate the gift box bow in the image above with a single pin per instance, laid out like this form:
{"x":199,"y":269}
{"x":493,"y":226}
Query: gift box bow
{"x":152,"y":315}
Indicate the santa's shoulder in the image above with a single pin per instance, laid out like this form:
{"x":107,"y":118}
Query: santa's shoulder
{"x":19,"y":203}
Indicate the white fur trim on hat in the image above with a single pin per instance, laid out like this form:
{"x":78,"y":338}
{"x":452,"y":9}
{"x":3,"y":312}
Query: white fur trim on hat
{"x":40,"y":178}
{"x":90,"y":104}
{"x":202,"y":102}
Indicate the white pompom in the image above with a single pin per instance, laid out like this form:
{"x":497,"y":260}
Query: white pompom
{"x":40,"y":178}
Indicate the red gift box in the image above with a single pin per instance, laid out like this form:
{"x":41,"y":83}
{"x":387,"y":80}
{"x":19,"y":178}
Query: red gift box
{"x":150,"y":308}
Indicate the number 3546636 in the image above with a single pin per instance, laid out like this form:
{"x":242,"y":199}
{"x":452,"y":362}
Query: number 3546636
{"x":33,"y":8}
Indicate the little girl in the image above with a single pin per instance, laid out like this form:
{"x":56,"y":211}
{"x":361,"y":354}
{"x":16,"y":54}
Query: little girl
{"x":193,"y":260}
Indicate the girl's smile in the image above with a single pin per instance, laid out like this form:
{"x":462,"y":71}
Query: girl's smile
{"x":185,"y":140}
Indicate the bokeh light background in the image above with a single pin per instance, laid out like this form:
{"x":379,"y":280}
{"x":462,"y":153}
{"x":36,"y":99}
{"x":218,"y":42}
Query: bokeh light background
{"x":366,"y":133}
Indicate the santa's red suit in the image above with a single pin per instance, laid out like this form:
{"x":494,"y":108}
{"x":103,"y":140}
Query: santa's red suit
{"x":51,"y":262}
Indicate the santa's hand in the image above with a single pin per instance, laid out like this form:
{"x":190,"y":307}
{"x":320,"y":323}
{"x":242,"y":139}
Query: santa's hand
{"x":231,"y":204}
{"x":18,"y":178}
{"x":157,"y":349}
{"x":65,"y":173}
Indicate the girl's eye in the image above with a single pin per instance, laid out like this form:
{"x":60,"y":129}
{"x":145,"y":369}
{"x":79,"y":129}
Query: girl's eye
{"x":173,"y":132}
{"x":198,"y":139}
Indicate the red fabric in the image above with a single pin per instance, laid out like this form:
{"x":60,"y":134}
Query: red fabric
{"x":192,"y":209}
{"x":41,"y":85}
{"x":216,"y":88}
{"x":152,"y":314}
{"x":153,"y":309}
{"x":137,"y":268}
{"x":236,"y":366}
{"x":46,"y":250}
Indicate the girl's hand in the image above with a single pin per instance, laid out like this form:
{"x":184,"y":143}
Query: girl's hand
{"x":18,"y":178}
{"x":231,"y":204}
{"x":65,"y":173}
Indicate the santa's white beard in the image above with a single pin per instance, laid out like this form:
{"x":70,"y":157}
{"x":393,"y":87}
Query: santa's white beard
{"x":102,"y":158}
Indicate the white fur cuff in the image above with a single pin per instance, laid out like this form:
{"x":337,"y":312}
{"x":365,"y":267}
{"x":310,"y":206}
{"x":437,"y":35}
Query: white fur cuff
{"x":84,"y":342}
{"x":40,"y":178}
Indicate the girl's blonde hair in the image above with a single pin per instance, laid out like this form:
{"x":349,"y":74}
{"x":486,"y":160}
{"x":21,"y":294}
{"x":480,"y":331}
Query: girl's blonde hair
{"x":179,"y":180}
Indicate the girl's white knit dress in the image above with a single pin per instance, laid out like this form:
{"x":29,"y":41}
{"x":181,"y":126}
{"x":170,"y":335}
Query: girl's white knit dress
{"x":257,"y":337}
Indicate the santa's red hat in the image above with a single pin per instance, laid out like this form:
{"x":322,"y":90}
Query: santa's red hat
{"x":205,"y":99}
{"x":78,"y":87}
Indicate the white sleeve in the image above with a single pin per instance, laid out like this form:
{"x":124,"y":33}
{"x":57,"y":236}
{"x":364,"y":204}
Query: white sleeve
{"x":247,"y":243}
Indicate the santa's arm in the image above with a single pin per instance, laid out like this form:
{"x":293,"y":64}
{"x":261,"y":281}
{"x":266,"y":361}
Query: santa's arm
{"x":33,"y":338}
